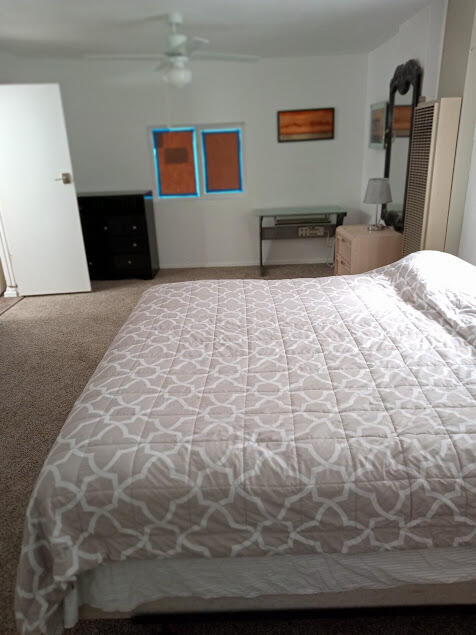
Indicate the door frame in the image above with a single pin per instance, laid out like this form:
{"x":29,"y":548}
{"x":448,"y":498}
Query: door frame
{"x":12,"y":289}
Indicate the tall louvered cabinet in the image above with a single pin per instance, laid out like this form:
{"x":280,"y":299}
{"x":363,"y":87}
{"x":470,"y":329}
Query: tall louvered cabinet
{"x":430,"y":174}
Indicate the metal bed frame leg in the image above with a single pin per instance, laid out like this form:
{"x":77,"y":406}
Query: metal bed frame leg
{"x":261,"y":268}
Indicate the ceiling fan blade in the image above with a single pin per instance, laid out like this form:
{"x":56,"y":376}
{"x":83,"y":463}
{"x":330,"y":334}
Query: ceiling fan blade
{"x":197,"y":43}
{"x":161,"y":17}
{"x":225,"y":57}
{"x":200,"y":41}
{"x":131,"y":57}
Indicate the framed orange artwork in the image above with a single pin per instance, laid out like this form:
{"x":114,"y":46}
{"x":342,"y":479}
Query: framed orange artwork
{"x":312,"y":124}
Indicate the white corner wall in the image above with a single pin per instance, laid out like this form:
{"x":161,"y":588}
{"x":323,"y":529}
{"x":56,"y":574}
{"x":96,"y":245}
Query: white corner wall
{"x":421,"y":38}
{"x":464,"y":149}
{"x":109,"y":106}
{"x":457,"y":42}
{"x":467,"y":246}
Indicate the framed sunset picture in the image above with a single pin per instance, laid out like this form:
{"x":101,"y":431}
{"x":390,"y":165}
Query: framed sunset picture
{"x":311,"y":124}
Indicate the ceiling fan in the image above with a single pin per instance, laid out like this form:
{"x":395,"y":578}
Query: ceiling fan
{"x":179,"y":51}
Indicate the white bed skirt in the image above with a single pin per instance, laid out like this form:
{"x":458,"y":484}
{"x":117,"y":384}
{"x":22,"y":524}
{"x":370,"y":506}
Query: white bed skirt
{"x":124,"y":586}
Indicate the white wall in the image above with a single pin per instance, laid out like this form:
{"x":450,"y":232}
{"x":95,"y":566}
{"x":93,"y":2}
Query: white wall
{"x":421,"y":38}
{"x":463,"y":152}
{"x":467,"y":246}
{"x":454,"y":59}
{"x":108,"y":107}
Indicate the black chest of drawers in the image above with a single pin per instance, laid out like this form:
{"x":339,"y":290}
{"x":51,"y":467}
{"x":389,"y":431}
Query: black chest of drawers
{"x":119,"y":234}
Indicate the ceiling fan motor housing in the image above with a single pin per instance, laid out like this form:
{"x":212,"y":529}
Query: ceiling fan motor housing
{"x":176,"y":44}
{"x":178,"y":52}
{"x":175,"y":18}
{"x":178,"y":61}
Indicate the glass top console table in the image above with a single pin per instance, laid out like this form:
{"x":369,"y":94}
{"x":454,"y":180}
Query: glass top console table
{"x":298,"y":222}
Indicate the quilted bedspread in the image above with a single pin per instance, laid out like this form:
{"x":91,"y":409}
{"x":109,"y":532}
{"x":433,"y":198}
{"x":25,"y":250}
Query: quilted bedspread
{"x":259,"y":417}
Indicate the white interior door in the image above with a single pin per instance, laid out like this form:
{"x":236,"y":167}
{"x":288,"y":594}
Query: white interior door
{"x":39,"y":211}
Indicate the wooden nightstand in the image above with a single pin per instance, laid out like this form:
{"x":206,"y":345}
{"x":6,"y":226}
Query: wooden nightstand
{"x":358,"y":250}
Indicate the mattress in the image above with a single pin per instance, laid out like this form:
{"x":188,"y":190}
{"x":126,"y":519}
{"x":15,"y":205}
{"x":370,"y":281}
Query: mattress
{"x":124,"y":586}
{"x":246,"y":418}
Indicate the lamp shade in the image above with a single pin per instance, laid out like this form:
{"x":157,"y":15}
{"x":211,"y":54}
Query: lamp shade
{"x":378,"y":191}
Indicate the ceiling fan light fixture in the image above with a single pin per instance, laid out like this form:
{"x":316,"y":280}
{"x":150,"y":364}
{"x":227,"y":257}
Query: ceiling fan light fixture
{"x":179,"y":75}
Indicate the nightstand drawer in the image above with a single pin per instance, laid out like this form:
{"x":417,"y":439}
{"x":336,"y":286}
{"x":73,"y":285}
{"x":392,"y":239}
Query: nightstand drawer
{"x":359,"y":250}
{"x":344,"y":249}
{"x":342,"y":267}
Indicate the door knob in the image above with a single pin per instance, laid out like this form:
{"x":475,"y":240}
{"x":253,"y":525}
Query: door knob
{"x":66,"y":177}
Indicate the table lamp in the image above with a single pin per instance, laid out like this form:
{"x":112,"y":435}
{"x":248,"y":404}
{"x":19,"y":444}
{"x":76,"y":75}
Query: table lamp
{"x":378,"y":192}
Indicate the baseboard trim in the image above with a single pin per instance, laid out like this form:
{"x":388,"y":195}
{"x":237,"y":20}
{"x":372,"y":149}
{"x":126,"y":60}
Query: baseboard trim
{"x":205,"y":265}
{"x":11,"y":292}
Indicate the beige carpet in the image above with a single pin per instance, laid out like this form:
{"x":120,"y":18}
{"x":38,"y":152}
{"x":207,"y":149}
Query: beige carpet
{"x":7,"y":303}
{"x":49,"y":347}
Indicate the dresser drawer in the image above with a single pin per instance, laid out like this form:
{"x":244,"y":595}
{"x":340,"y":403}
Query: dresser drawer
{"x":124,"y":225}
{"x":134,"y":263}
{"x":126,"y":244}
{"x":95,"y":266}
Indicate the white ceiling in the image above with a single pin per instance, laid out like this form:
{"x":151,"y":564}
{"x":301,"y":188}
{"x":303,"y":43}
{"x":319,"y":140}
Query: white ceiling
{"x":269,"y":28}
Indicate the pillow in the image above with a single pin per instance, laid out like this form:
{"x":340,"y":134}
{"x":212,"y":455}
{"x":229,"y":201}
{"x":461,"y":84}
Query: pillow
{"x":434,"y":279}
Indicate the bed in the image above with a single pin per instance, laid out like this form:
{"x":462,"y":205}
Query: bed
{"x":248,"y":440}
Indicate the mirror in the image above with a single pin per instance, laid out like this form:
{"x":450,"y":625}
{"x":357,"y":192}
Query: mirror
{"x":401,"y":125}
{"x":404,"y":96}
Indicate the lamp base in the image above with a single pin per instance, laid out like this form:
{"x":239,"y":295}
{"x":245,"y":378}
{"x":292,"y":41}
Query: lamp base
{"x":375,"y":228}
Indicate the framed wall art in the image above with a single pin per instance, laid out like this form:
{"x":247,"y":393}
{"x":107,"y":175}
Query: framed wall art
{"x":378,"y":122}
{"x":310,"y":124}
